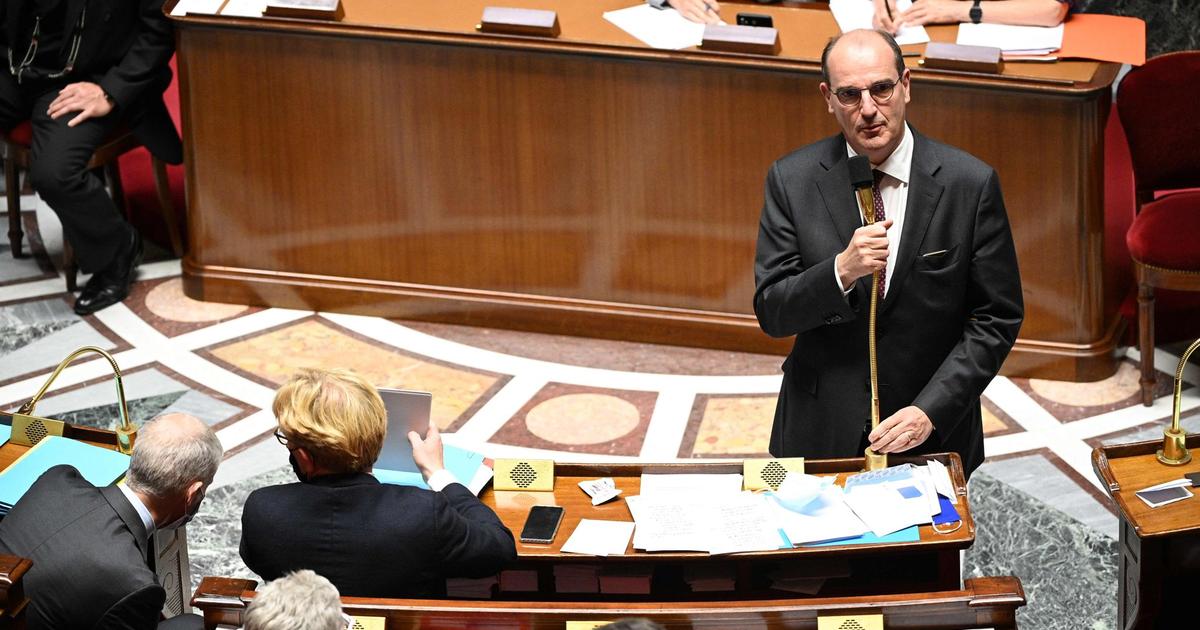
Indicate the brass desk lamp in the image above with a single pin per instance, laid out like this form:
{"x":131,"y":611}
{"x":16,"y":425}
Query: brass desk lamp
{"x":1174,"y":451}
{"x":28,"y":429}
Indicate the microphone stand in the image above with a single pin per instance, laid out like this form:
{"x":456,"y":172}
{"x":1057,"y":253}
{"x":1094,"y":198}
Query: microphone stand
{"x":873,"y":460}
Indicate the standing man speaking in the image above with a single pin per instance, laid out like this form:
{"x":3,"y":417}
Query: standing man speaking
{"x":950,"y":292}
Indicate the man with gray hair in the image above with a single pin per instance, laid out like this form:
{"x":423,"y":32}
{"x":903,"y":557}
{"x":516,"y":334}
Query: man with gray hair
{"x":297,"y":601}
{"x":92,"y":548}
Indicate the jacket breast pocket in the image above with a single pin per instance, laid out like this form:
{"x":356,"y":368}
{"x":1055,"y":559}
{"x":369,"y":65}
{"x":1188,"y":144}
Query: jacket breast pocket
{"x":934,"y":261}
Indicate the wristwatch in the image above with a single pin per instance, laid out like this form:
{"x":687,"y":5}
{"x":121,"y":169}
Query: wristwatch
{"x":976,"y":13}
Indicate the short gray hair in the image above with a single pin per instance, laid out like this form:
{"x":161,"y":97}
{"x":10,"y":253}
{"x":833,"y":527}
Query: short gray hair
{"x":297,"y":601}
{"x":170,"y":453}
{"x":897,"y":54}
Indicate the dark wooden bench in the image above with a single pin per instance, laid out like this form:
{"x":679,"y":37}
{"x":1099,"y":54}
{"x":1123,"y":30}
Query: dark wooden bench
{"x":12,"y":591}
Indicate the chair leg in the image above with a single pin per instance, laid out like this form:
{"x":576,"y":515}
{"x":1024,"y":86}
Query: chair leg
{"x":1146,"y":341}
{"x":12,"y":190}
{"x":163,"y":188}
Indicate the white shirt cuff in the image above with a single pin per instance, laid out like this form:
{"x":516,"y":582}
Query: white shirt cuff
{"x":837,"y":277}
{"x":440,"y":479}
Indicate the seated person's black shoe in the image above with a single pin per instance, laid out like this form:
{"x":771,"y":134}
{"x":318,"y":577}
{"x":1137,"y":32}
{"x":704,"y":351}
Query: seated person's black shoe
{"x":111,"y":284}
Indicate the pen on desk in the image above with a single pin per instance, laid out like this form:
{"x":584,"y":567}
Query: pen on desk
{"x":888,"y":5}
{"x":708,"y":7}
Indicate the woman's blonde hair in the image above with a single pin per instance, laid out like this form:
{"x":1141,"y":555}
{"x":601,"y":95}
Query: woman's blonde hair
{"x":334,"y":414}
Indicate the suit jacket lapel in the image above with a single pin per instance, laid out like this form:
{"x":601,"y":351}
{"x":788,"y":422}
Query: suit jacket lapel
{"x":836,"y":191}
{"x":129,"y":516}
{"x":924,"y":192}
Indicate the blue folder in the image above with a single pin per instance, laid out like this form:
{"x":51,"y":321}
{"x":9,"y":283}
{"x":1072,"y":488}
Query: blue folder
{"x":98,"y":465}
{"x":460,"y":461}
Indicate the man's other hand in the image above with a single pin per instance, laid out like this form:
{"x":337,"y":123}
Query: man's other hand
{"x":703,"y":11}
{"x":934,"y":12}
{"x":903,"y":430}
{"x":427,"y":453}
{"x":866,"y":253}
{"x":883,"y":19}
{"x":86,"y":98}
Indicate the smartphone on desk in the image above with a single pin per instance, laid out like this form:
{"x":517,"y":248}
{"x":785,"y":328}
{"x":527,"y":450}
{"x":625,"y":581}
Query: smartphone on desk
{"x":542,"y":524}
{"x":755,"y":19}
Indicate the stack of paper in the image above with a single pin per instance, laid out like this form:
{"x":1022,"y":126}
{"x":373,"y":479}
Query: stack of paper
{"x":657,"y":28}
{"x":827,"y":518}
{"x":576,"y":578}
{"x":852,"y":15}
{"x":99,"y":466}
{"x":1013,"y":40}
{"x":519,"y":580}
{"x":599,"y":538}
{"x":471,"y":588}
{"x":626,"y":580}
{"x":197,"y":7}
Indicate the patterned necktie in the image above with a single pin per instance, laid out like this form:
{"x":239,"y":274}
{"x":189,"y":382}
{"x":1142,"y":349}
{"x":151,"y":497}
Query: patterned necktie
{"x":879,"y":216}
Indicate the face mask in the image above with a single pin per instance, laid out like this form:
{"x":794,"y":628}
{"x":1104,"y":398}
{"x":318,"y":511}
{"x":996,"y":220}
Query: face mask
{"x":187,"y":517}
{"x":296,"y":467}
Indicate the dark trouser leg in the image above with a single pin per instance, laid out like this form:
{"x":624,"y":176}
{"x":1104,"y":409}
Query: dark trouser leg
{"x":13,"y":109}
{"x":59,"y":174}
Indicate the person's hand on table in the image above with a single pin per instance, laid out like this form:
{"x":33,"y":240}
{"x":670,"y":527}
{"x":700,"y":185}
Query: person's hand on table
{"x":427,"y":453}
{"x":934,"y":12}
{"x":903,"y":430}
{"x":703,"y":11}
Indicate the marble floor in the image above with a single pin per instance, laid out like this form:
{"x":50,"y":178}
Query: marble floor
{"x":1040,"y":513}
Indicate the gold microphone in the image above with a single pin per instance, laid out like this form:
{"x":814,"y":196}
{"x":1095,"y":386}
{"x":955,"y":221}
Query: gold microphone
{"x":862,"y":179}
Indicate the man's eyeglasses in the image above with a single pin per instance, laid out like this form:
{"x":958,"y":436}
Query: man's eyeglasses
{"x":283,"y":439}
{"x":880,"y":91}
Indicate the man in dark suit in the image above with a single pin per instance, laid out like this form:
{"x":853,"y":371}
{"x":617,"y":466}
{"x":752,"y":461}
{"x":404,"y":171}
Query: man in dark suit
{"x":951,"y":298}
{"x":91,"y":547}
{"x":370,"y":539}
{"x":78,"y":69}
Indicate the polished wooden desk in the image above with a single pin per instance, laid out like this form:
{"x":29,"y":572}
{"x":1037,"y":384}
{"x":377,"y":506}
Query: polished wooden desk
{"x":1160,"y":547}
{"x":930,"y":564}
{"x":400,"y":164}
{"x":981,"y":603}
{"x":12,"y":591}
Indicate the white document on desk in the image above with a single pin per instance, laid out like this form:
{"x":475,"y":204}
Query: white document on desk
{"x":657,"y":28}
{"x":599,"y":538}
{"x":717,"y":524}
{"x":667,"y":486}
{"x":852,"y":15}
{"x":743,"y":523}
{"x":826,"y":519}
{"x":1026,"y":40}
{"x":197,"y":7}
{"x":245,"y":8}
{"x":662,"y":525}
{"x":886,"y":510}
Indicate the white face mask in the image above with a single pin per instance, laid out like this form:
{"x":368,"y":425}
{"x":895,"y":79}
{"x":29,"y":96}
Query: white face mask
{"x":188,"y":515}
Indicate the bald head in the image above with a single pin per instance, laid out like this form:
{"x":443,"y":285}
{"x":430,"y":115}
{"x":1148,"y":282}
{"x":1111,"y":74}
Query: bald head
{"x":171,"y":452}
{"x":858,"y":47}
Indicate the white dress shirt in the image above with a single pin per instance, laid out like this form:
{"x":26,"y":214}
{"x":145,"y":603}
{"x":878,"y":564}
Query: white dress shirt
{"x":142,"y":510}
{"x":440,"y":479}
{"x":893,"y":188}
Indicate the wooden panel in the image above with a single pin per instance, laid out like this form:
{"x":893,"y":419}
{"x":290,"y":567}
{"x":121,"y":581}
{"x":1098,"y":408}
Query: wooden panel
{"x":413,"y":168}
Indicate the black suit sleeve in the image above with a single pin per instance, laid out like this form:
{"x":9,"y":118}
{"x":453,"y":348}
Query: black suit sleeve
{"x":792,"y":295}
{"x":139,"y":610}
{"x":143,"y":62}
{"x":471,"y":539}
{"x":995,"y":310}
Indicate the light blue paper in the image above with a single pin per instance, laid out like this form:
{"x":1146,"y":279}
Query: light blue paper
{"x":99,"y":466}
{"x":5,"y":432}
{"x":459,"y":461}
{"x":908,"y":534}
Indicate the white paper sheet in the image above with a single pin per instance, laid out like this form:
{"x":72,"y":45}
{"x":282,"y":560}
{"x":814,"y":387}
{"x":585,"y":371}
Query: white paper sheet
{"x":668,"y":525}
{"x":196,"y":7}
{"x":941,"y":480}
{"x":852,"y":15}
{"x":717,"y":524}
{"x":656,"y":28}
{"x":245,"y":8}
{"x":885,"y":510}
{"x":599,"y":538}
{"x":743,"y":523}
{"x":1029,"y":40}
{"x":826,"y":519}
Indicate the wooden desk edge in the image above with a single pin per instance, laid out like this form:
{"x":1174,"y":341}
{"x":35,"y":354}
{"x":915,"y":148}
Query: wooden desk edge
{"x":1101,"y":458}
{"x":1102,"y":79}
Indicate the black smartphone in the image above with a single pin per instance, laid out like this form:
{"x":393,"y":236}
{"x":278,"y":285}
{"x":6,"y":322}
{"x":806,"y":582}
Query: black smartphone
{"x":542,"y":524}
{"x":755,"y":19}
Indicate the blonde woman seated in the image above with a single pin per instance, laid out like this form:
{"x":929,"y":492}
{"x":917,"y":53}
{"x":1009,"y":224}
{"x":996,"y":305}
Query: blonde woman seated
{"x":1019,"y":12}
{"x":370,"y":539}
{"x":297,"y":601}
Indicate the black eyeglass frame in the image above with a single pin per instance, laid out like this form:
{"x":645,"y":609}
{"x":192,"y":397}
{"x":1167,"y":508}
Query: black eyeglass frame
{"x":283,"y":439}
{"x":880,"y":91}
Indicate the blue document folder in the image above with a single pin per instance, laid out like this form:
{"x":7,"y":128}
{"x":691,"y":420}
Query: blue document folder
{"x":460,"y":461}
{"x":908,"y":534}
{"x":5,"y":433}
{"x":98,"y":465}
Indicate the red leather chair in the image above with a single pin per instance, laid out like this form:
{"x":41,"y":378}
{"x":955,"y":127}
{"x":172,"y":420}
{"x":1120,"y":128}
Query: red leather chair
{"x":1159,"y":106}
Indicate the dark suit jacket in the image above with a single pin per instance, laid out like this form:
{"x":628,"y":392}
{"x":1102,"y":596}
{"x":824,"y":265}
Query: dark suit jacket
{"x":89,"y":549}
{"x":125,"y":48}
{"x":943,"y":330}
{"x":372,"y":539}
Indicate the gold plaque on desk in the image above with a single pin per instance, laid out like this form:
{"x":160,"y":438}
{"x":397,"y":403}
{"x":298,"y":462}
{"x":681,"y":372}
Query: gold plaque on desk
{"x":535,"y":475}
{"x":850,"y":622}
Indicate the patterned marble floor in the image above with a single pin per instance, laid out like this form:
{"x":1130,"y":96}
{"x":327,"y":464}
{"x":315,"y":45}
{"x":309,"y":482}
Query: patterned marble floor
{"x":1041,"y":515}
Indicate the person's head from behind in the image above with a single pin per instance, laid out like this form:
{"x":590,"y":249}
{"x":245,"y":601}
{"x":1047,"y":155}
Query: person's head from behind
{"x":866,"y":88}
{"x":331,"y":421}
{"x":297,"y":601}
{"x":175,"y":458}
